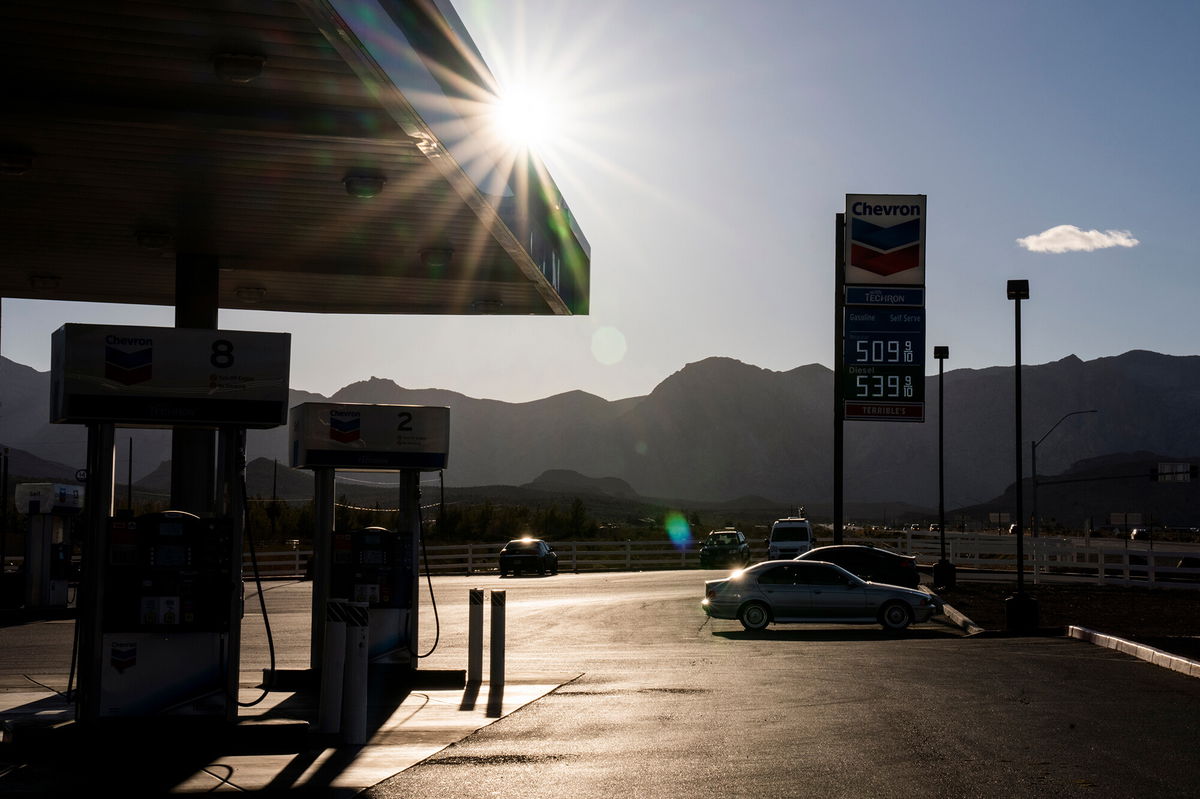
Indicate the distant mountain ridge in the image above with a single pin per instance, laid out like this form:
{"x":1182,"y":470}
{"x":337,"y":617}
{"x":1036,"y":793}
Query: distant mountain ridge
{"x":719,"y":429}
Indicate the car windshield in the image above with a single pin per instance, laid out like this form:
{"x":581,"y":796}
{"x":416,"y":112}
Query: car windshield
{"x":789,"y":534}
{"x":523,"y":546}
{"x":723,"y":538}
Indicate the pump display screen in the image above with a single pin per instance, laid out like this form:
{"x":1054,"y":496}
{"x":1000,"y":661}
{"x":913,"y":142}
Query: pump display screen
{"x":170,"y":555}
{"x":170,"y":528}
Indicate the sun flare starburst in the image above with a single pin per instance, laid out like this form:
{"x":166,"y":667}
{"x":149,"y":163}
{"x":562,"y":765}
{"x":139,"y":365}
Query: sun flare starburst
{"x":527,"y":117}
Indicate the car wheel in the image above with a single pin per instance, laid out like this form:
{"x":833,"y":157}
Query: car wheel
{"x":895,"y":616}
{"x":754,"y":616}
{"x":503,"y":573}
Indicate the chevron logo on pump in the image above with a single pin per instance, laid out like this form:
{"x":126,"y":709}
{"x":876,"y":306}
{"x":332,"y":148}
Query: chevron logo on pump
{"x":345,"y":426}
{"x":122,"y":656}
{"x":128,"y":360}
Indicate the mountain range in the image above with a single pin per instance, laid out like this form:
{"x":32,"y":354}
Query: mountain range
{"x":720,"y":429}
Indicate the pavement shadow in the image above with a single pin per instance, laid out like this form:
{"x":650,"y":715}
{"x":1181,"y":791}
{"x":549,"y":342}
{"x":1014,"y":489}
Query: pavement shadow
{"x":495,"y":706}
{"x":145,"y":758}
{"x":153,"y":756}
{"x":470,"y":695}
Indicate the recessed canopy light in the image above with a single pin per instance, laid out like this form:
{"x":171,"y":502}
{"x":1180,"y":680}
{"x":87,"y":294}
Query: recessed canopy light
{"x":364,"y":185}
{"x":436,"y":257}
{"x":238,"y":68}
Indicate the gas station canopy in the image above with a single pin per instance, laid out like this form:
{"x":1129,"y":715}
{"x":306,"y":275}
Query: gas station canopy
{"x":331,"y":155}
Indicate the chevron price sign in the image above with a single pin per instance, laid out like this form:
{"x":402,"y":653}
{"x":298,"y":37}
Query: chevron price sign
{"x":885,"y":239}
{"x":883,"y":308}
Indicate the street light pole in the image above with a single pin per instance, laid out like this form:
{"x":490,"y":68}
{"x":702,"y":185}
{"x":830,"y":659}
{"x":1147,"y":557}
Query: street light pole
{"x":943,"y":570}
{"x":1037,"y":520}
{"x":1021,"y":610}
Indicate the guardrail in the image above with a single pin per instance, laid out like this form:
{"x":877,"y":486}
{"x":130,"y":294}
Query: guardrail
{"x":574,"y":556}
{"x":1046,"y":559}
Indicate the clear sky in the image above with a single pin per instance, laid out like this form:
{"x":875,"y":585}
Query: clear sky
{"x":705,"y":147}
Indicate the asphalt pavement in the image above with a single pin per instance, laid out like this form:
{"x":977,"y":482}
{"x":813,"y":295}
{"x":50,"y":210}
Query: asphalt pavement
{"x":618,"y":683}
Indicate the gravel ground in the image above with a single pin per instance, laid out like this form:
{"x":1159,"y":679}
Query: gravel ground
{"x":1167,"y":618}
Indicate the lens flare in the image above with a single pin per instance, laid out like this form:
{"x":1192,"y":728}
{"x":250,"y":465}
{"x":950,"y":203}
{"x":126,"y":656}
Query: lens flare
{"x":608,"y":345}
{"x":678,"y":530}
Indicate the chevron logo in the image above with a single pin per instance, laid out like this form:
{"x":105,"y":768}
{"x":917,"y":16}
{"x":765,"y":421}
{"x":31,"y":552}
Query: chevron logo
{"x":885,"y":250}
{"x":122,"y":656}
{"x":128,"y":367}
{"x":345,"y":426}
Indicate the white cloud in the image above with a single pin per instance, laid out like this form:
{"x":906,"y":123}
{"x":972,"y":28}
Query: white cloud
{"x":1068,"y":238}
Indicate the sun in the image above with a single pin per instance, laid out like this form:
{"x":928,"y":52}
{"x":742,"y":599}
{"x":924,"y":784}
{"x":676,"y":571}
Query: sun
{"x":527,"y":117}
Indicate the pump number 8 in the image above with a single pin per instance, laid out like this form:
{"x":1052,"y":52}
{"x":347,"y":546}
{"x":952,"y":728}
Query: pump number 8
{"x":222,"y":354}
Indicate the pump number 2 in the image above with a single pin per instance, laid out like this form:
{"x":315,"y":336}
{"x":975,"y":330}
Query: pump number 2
{"x":405,"y":422}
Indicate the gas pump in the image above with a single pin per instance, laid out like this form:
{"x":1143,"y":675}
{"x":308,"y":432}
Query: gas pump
{"x":173,"y":597}
{"x":160,"y":599}
{"x":52,"y":510}
{"x":375,"y":564}
{"x":379,"y":567}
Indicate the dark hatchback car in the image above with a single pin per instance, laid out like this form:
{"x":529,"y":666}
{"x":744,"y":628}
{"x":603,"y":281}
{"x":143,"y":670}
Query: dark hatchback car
{"x":870,"y":563}
{"x":724,"y":548}
{"x":528,"y":555}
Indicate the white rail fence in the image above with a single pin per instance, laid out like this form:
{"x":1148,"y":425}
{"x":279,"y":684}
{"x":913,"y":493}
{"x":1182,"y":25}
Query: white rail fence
{"x":1046,"y":559}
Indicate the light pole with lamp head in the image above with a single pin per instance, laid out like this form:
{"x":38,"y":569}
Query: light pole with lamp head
{"x":1037,"y":520}
{"x":943,"y":570}
{"x":1020,"y":609}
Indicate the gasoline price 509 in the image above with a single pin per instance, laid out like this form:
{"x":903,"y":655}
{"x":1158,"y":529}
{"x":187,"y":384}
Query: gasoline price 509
{"x":880,"y":351}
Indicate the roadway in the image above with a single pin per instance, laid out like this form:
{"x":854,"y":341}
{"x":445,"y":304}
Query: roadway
{"x":668,"y":704}
{"x":657,"y":701}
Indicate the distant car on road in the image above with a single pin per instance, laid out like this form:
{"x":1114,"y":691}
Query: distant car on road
{"x":789,"y":537}
{"x":1139,"y":534}
{"x":724,"y":548}
{"x":809,"y":591}
{"x":528,"y":555}
{"x":870,"y":563}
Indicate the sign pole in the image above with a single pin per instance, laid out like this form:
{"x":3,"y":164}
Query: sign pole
{"x":839,"y":370}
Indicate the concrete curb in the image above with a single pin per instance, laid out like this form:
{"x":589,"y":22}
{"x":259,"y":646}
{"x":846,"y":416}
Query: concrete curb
{"x":952,"y":617}
{"x":1158,"y":657}
{"x":956,"y":619}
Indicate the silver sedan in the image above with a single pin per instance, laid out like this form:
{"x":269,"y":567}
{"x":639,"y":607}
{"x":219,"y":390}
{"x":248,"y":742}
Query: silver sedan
{"x":791,"y":592}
